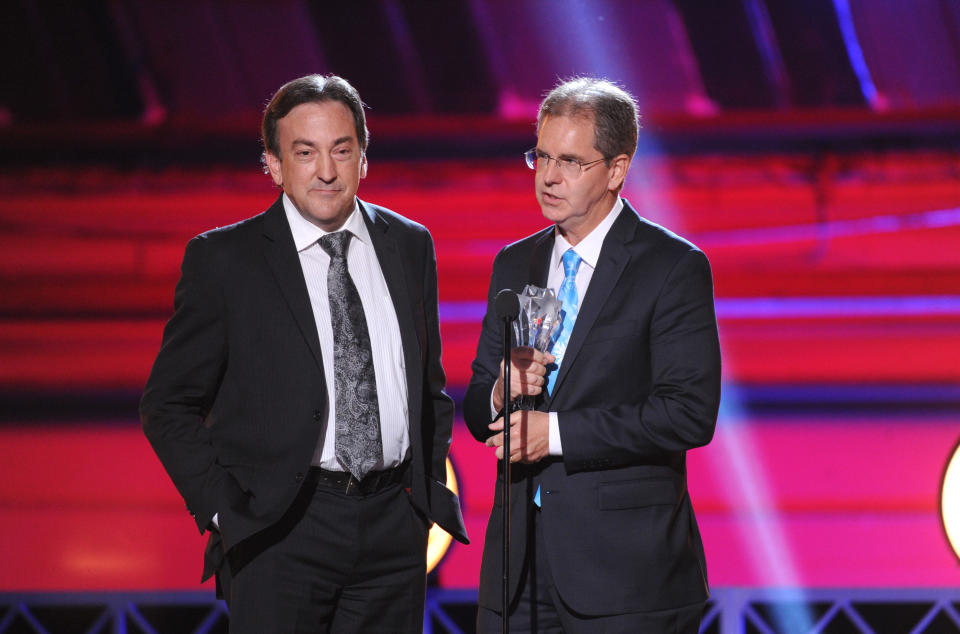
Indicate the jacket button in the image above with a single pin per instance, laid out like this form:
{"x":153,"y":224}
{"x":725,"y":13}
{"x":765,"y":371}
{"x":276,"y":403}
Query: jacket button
{"x":317,"y":415}
{"x":299,"y":477}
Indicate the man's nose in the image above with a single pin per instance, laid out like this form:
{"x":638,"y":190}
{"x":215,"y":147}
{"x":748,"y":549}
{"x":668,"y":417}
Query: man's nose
{"x":325,"y":168}
{"x":551,"y":171}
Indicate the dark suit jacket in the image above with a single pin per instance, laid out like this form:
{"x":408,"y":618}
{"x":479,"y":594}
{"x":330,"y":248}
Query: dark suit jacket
{"x":638,"y":386}
{"x":236,"y":399}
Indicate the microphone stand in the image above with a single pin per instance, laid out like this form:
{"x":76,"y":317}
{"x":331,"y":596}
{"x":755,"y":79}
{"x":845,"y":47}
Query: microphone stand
{"x":508,"y":309}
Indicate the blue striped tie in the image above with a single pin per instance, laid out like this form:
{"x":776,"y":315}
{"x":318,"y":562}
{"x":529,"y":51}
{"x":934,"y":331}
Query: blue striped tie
{"x":571,"y":306}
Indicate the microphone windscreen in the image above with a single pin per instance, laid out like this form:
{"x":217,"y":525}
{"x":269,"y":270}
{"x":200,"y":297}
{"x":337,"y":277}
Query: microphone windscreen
{"x":507,"y":304}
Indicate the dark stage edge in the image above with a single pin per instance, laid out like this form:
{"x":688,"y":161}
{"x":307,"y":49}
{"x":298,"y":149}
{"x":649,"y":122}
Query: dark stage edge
{"x":452,"y":611}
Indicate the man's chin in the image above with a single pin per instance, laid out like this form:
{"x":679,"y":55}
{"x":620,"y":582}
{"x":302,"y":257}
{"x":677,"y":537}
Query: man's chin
{"x":551,"y":212}
{"x":327,"y":218}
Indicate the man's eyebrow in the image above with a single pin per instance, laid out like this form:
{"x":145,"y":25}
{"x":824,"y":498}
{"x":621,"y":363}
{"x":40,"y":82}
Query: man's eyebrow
{"x":562,"y":157}
{"x":304,"y":142}
{"x":343,"y":139}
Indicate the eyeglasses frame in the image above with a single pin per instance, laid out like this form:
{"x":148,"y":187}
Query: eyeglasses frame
{"x":533,"y":155}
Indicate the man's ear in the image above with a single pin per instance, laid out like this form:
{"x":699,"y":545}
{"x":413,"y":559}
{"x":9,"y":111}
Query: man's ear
{"x":273,"y":166}
{"x":618,"y":172}
{"x":363,"y":166}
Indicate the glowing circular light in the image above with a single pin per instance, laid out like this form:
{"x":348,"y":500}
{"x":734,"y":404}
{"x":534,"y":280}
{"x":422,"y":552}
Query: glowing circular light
{"x":439,"y":540}
{"x":950,"y":500}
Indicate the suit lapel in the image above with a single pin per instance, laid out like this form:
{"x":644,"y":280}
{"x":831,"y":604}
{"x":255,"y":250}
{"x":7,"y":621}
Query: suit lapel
{"x":281,"y":254}
{"x":614,"y":257}
{"x":394,"y":273}
{"x":540,"y":259}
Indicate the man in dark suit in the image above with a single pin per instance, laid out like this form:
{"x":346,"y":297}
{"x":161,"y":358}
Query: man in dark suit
{"x":603,"y":535}
{"x":297,"y":401}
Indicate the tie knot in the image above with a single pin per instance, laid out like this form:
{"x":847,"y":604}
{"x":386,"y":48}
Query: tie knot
{"x":335,"y":244}
{"x":571,"y":262}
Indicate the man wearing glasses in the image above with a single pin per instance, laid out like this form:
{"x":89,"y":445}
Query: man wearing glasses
{"x":603,"y":534}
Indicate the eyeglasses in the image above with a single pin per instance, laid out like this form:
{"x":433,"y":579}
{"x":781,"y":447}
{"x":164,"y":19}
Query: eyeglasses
{"x":569,"y":167}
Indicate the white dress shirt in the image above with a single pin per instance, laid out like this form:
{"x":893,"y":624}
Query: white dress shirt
{"x":589,"y":251}
{"x":388,"y":363}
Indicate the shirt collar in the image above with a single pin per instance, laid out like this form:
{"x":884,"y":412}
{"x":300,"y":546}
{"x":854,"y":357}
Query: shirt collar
{"x":589,"y":248}
{"x":306,"y":234}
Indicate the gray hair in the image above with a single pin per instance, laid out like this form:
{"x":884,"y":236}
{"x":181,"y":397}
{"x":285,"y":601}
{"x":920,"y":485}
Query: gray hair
{"x":613,"y":109}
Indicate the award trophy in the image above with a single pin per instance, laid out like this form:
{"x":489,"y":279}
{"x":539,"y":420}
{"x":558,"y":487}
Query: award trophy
{"x":535,"y":326}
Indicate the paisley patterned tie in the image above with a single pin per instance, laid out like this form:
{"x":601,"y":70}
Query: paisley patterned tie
{"x":358,"y":443}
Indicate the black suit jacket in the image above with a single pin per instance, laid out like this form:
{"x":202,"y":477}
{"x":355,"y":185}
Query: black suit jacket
{"x":236,"y":398}
{"x":638,"y":386}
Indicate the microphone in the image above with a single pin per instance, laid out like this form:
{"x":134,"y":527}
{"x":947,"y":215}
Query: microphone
{"x":507,"y":305}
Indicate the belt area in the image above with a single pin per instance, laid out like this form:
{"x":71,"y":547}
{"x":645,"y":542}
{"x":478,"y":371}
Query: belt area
{"x":344,"y":482}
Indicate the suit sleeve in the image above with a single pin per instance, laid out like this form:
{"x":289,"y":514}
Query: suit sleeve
{"x":485,"y":367}
{"x":439,"y":401}
{"x":183,"y":385}
{"x":680,"y":411}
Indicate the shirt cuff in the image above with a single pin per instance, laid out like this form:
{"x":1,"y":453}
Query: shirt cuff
{"x":493,"y":410}
{"x":214,"y":521}
{"x":554,"y":426}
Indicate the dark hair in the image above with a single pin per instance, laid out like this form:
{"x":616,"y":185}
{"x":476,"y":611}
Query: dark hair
{"x":613,"y":109}
{"x":312,"y":89}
